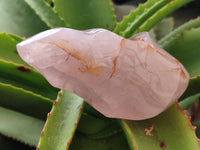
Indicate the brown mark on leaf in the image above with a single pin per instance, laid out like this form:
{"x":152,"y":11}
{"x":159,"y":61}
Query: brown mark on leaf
{"x":169,"y":3}
{"x":130,"y":136}
{"x":54,"y":102}
{"x":149,"y":130}
{"x":196,"y":83}
{"x":68,"y":142}
{"x":76,"y":122}
{"x":42,"y":133}
{"x":48,"y":115}
{"x":88,"y":66}
{"x":188,"y":117}
{"x":59,"y":93}
{"x":107,"y":26}
{"x":23,"y":69}
{"x":162,"y":145}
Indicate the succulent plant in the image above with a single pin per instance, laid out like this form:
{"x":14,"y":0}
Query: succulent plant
{"x":27,"y":98}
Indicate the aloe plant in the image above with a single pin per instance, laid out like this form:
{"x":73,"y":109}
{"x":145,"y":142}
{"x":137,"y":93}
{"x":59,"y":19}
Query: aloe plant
{"x":27,"y":98}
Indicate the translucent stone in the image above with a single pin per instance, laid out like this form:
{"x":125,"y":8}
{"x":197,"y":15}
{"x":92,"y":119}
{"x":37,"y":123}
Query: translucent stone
{"x":131,"y":79}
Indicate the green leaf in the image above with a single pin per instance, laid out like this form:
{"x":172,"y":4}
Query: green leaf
{"x":19,"y":126}
{"x":192,"y":89}
{"x":18,"y":18}
{"x":86,"y":14}
{"x":147,"y":15}
{"x":15,"y":37}
{"x":170,"y":38}
{"x":113,"y":128}
{"x":171,"y":130}
{"x":49,"y":1}
{"x":8,"y":50}
{"x":24,"y":101}
{"x":163,"y":28}
{"x":90,"y":124}
{"x":46,"y":13}
{"x":191,"y":95}
{"x":160,"y":14}
{"x":189,"y":101}
{"x":197,"y":124}
{"x":125,"y":23}
{"x":22,"y":77}
{"x":185,"y":47}
{"x":114,"y":142}
{"x":93,"y":112}
{"x":61,"y":122}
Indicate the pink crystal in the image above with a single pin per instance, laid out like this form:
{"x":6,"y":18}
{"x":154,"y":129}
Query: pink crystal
{"x":122,"y":78}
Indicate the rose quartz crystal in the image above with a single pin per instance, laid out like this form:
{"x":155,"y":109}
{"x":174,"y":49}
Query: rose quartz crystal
{"x":122,"y":78}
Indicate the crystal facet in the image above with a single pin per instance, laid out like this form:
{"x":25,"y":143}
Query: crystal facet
{"x":122,"y":78}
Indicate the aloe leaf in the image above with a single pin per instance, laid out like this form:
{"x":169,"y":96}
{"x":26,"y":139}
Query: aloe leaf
{"x":170,"y":38}
{"x":160,"y":14}
{"x":24,"y":101}
{"x":193,"y":88}
{"x":170,"y":130}
{"x":24,"y":23}
{"x":46,"y":13}
{"x":93,"y":112}
{"x":10,"y":144}
{"x":192,"y":94}
{"x":48,"y":1}
{"x":135,"y":25}
{"x":86,"y":14}
{"x":163,"y":28}
{"x":22,"y":77}
{"x":121,"y":27}
{"x":99,"y":125}
{"x":110,"y":130}
{"x":15,"y":37}
{"x":197,"y":124}
{"x":147,"y":15}
{"x":189,"y":101}
{"x":61,"y":122}
{"x":90,"y":125}
{"x":185,"y":47}
{"x":19,"y":126}
{"x":116,"y":142}
{"x":8,"y":50}
{"x":123,"y":10}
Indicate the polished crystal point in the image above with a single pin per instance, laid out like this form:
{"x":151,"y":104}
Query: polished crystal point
{"x":131,"y":79}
